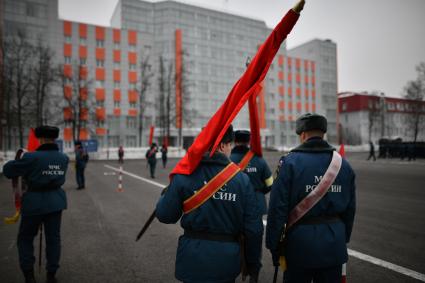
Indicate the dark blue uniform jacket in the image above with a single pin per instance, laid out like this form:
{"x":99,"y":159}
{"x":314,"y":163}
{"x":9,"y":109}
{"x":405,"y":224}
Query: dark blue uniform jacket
{"x":232,"y":210}
{"x":44,"y":173}
{"x":311,"y":245}
{"x":80,"y":162}
{"x":258,"y":172}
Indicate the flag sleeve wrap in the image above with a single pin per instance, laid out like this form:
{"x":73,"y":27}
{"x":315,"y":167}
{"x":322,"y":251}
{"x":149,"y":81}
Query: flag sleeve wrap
{"x":248,"y":85}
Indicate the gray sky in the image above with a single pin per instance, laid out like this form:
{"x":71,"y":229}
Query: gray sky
{"x":379,"y":41}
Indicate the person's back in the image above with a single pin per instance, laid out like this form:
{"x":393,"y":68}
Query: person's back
{"x":315,"y":246}
{"x":230,"y":211}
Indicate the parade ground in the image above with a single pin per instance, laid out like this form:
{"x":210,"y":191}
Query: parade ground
{"x":100,"y":225}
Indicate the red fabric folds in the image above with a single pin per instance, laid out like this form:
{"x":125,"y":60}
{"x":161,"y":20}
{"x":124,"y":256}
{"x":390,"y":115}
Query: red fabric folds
{"x":248,"y":85}
{"x":33,"y":142}
{"x":254,"y":122}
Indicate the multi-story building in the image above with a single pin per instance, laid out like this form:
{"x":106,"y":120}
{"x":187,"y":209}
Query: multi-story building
{"x":368,"y":117}
{"x":203,"y":53}
{"x":324,"y":53}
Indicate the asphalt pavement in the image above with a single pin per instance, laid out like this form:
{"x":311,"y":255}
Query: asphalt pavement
{"x":100,"y":226}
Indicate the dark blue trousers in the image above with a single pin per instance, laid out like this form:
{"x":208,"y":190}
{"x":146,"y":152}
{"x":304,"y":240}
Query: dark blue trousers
{"x":80,"y":176}
{"x":321,"y":275}
{"x":28,"y":229}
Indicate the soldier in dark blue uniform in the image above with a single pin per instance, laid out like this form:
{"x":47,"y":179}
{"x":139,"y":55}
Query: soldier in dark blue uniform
{"x":258,"y":172}
{"x":44,"y":173}
{"x":315,"y":246}
{"x":81,"y":159}
{"x":151,"y":158}
{"x":209,"y":250}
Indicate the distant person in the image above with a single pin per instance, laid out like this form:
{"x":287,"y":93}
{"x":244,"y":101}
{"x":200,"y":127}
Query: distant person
{"x":164,"y":151}
{"x":371,"y":151}
{"x":151,"y":158}
{"x":121,"y":155}
{"x":81,"y":159}
{"x":44,"y":173}
{"x":411,"y":152}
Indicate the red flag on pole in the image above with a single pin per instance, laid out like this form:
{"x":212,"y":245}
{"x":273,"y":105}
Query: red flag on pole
{"x":33,"y":142}
{"x":254,"y":122}
{"x":249,"y":84}
{"x":342,"y":150}
{"x":151,"y":135}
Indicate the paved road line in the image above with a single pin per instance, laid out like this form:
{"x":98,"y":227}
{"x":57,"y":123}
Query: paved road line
{"x":136,"y":176}
{"x":382,"y":263}
{"x":356,"y":254}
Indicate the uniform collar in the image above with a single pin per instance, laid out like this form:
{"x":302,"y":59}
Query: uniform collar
{"x":48,"y":147}
{"x":216,"y":158}
{"x":240,"y":149}
{"x":314,"y":144}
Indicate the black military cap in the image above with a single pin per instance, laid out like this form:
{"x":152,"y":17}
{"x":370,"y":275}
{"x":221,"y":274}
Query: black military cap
{"x":311,"y":121}
{"x":47,"y":132}
{"x":153,"y":145}
{"x":229,"y":135}
{"x":242,"y":136}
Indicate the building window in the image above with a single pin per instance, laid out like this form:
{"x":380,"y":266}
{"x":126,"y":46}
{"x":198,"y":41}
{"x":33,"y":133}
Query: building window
{"x":83,"y":61}
{"x":117,"y":45}
{"x":132,"y":67}
{"x":100,"y":43}
{"x":117,"y":84}
{"x":100,"y":103}
{"x":68,"y":39}
{"x":117,"y":65}
{"x":132,"y":86}
{"x":117,"y":104}
{"x":132,"y":48}
{"x":67,"y":60}
{"x":132,"y":104}
{"x":100,"y":84}
{"x":131,"y":122}
{"x":83,"y":41}
{"x":100,"y":63}
{"x":344,"y":106}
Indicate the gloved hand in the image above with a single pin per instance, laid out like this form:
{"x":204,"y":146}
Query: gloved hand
{"x":275,"y":258}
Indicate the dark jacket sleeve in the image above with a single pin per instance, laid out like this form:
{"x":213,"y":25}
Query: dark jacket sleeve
{"x":266,"y":175}
{"x":16,"y":168}
{"x":253,"y":225}
{"x":169,"y":208}
{"x":278,"y":206}
{"x":348,"y":215}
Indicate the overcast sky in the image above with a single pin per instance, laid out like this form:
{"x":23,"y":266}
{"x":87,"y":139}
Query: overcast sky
{"x":379,"y":41}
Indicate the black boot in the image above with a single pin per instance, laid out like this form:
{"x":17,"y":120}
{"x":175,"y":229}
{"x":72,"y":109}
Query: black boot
{"x":29,"y":276}
{"x":50,"y":278}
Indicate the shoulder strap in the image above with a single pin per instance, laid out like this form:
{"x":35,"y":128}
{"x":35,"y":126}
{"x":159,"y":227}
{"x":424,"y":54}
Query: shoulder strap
{"x":246,"y":159}
{"x":316,"y":195}
{"x":209,"y":189}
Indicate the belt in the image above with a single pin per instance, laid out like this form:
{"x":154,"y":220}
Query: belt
{"x":311,"y":220}
{"x":43,"y":189}
{"x":219,"y":237}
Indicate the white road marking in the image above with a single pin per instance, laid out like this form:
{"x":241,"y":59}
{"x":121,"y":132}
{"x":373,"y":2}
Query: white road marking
{"x":382,"y":263}
{"x":109,"y":173}
{"x":136,"y":177}
{"x":353,"y":253}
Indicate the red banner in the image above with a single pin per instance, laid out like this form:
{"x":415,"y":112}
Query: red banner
{"x":151,"y":134}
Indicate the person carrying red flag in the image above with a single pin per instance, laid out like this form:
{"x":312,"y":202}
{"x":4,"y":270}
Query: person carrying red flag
{"x":214,"y":199}
{"x":44,"y":173}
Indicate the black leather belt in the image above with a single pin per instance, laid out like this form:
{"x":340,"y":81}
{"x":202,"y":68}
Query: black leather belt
{"x":219,"y":237}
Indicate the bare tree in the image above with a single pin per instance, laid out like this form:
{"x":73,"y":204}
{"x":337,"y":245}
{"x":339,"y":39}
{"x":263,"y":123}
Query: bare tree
{"x":44,"y":77}
{"x":78,"y":97}
{"x":18,"y":59}
{"x":145,"y":83}
{"x":415,"y":91}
